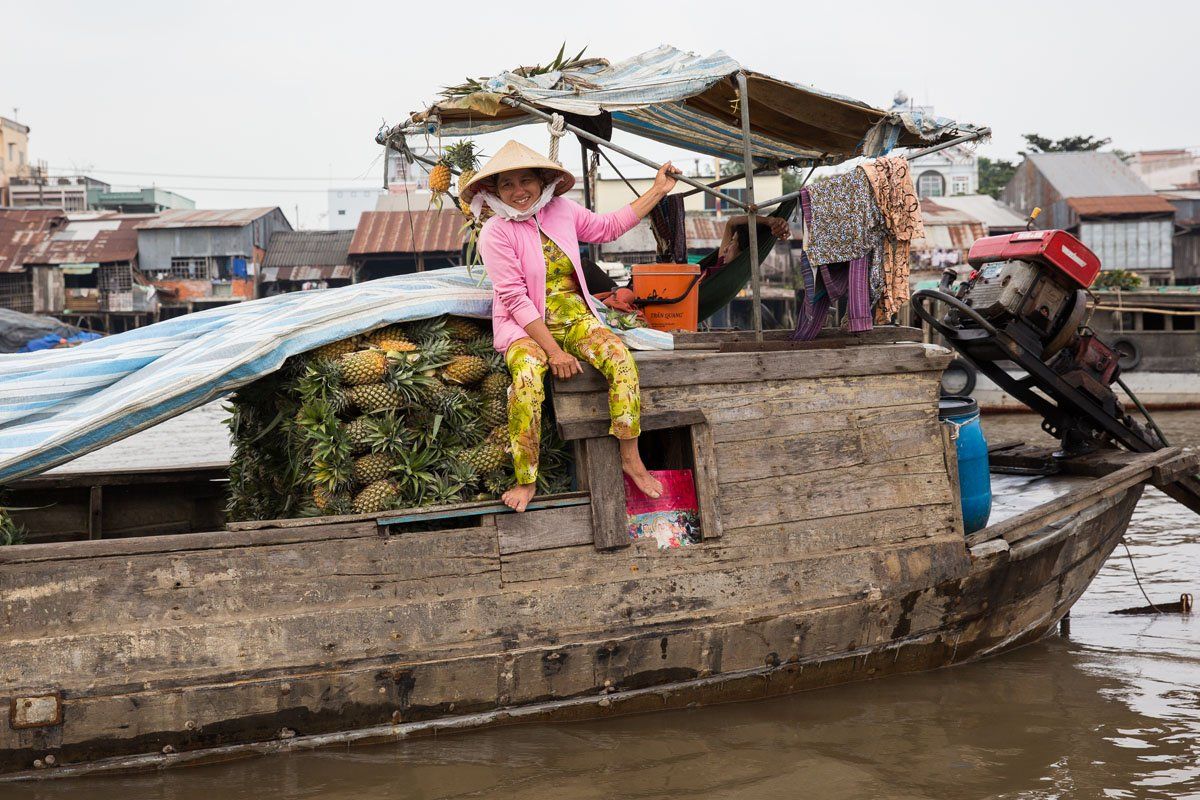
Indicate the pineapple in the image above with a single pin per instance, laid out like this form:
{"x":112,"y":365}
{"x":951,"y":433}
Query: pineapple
{"x":457,"y":347}
{"x":325,"y":500}
{"x":494,"y":414}
{"x":363,"y":367}
{"x":358,"y":433}
{"x":422,"y":330}
{"x":463,"y":156}
{"x":486,"y":458}
{"x":372,"y":467}
{"x":391,"y":339}
{"x":379,"y":496}
{"x":495,"y":387}
{"x":466,"y":370}
{"x":462,"y":328}
{"x":375,"y":397}
{"x":499,"y":435}
{"x":439,"y":177}
{"x":335,"y":350}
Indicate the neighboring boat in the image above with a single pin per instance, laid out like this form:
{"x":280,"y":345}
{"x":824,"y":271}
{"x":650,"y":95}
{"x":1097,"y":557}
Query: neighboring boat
{"x":832,"y":551}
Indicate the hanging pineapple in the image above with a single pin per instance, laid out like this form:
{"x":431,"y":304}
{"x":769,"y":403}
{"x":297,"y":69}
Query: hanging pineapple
{"x":462,"y":156}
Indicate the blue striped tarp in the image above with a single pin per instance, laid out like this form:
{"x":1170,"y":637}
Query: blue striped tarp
{"x":56,"y":405}
{"x":687,"y":101}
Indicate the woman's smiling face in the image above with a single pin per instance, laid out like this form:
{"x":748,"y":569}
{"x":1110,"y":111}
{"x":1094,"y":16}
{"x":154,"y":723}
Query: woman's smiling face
{"x":519,"y":188}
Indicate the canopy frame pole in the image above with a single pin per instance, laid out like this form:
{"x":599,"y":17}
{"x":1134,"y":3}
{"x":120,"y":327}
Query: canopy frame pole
{"x":966,"y":137}
{"x":743,"y":90}
{"x":616,"y":148}
{"x":589,"y":201}
{"x":760,"y":171}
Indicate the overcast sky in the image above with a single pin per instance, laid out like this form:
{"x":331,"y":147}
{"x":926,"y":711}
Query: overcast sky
{"x":262,"y":104}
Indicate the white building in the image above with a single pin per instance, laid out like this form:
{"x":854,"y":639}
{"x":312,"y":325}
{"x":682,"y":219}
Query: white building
{"x":347,"y":203}
{"x":948,"y":172}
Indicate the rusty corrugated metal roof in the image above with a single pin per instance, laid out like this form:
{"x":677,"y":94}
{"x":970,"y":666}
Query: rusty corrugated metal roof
{"x":325,"y":273}
{"x":308,"y":249}
{"x":22,"y":230}
{"x":947,"y":228}
{"x":207,"y":218}
{"x":100,"y":239}
{"x":381,"y":232}
{"x":1120,"y":205}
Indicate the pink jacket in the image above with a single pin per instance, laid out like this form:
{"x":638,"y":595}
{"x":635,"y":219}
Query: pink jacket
{"x":512,"y":256}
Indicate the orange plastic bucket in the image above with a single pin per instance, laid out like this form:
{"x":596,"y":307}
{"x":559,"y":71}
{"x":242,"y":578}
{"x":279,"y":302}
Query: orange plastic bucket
{"x":669,"y":294}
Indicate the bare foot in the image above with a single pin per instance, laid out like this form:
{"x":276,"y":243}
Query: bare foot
{"x":519,"y":496}
{"x":635,"y":469}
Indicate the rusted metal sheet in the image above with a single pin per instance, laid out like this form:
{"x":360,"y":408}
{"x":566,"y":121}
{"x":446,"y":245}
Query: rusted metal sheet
{"x":1130,"y":244}
{"x":38,"y":711}
{"x":21,"y":231}
{"x":207,"y":218}
{"x":104,"y":239}
{"x":308,"y":249}
{"x":275,"y":274}
{"x":383,"y":232}
{"x":1120,"y":205}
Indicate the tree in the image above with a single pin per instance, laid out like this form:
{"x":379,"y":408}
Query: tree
{"x":994,"y":175}
{"x":1068,"y":144}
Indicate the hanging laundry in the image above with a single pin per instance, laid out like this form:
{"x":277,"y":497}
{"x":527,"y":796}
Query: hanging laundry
{"x":833,"y":282}
{"x":894,"y":193}
{"x":842,"y":218}
{"x":667,"y":223}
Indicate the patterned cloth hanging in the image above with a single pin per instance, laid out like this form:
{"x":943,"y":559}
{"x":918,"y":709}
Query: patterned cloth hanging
{"x":668,"y":224}
{"x":896,"y":197}
{"x":833,"y":282}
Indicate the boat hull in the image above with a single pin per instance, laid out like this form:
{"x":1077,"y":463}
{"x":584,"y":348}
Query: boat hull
{"x":700,"y":658}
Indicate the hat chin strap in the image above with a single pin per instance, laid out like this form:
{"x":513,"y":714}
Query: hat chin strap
{"x":505,"y":211}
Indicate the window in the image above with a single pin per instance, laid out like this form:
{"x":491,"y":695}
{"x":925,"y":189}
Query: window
{"x":1153,"y":322}
{"x":12,"y":152}
{"x":194,"y":268}
{"x":1184,"y":322}
{"x":341,"y":212}
{"x":960,"y":184}
{"x":714,"y":204}
{"x":931,"y":184}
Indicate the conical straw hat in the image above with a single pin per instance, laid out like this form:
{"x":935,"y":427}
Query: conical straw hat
{"x":515,"y":155}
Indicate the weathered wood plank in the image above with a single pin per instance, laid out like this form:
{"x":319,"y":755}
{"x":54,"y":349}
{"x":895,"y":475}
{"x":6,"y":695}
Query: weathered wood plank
{"x":783,"y":542}
{"x":902,"y":483}
{"x":471,"y":624}
{"x":654,"y":421}
{"x":764,"y":399}
{"x":59,"y":597}
{"x":542,"y":530}
{"x":950,"y":458}
{"x":880,"y":436}
{"x":607,"y":487}
{"x":68,"y":551}
{"x":658,"y":368}
{"x":1015,"y":528}
{"x":123,"y":477}
{"x":880,"y":334}
{"x":707,"y":481}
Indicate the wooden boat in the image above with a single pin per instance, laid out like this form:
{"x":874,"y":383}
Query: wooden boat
{"x":138,"y":631}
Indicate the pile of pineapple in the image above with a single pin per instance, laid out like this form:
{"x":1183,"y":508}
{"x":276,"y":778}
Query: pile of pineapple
{"x":408,"y":415}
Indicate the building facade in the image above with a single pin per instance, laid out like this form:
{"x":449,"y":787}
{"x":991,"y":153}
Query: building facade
{"x":14,"y":155}
{"x":348,"y":203}
{"x":140,"y":201}
{"x":1102,"y":201}
{"x":202,"y":258}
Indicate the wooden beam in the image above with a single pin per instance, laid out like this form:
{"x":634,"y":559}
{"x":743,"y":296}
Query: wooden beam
{"x":592,"y":428}
{"x":659,"y":369}
{"x":704,"y":474}
{"x":609,"y":518}
{"x":96,"y":512}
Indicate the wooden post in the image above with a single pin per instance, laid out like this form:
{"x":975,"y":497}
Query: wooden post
{"x":96,"y":512}
{"x":606,"y":483}
{"x":752,"y":228}
{"x":704,"y":474}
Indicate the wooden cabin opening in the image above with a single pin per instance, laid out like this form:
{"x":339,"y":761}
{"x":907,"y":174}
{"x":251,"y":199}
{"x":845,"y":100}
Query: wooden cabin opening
{"x":668,"y":448}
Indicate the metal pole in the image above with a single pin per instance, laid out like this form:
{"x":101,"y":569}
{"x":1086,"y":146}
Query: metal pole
{"x":967,"y":137}
{"x":761,"y":170}
{"x":528,"y":109}
{"x":589,"y":202}
{"x":752,"y":227}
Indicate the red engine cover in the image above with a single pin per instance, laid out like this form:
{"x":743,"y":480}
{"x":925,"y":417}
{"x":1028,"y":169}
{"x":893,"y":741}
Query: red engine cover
{"x":1057,"y":249}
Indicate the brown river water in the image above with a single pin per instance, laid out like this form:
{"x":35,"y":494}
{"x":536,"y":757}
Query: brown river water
{"x":1110,"y":711}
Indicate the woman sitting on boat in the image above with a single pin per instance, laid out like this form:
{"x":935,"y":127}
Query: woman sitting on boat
{"x":541,"y":318}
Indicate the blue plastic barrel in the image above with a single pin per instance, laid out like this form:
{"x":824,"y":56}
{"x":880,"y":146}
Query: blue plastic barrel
{"x":974,"y":480}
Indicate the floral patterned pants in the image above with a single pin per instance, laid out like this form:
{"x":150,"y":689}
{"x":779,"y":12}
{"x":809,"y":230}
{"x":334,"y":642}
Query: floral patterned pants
{"x":587,"y":339}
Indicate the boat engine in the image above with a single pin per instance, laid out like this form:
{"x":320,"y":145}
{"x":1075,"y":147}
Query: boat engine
{"x":1027,"y":302}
